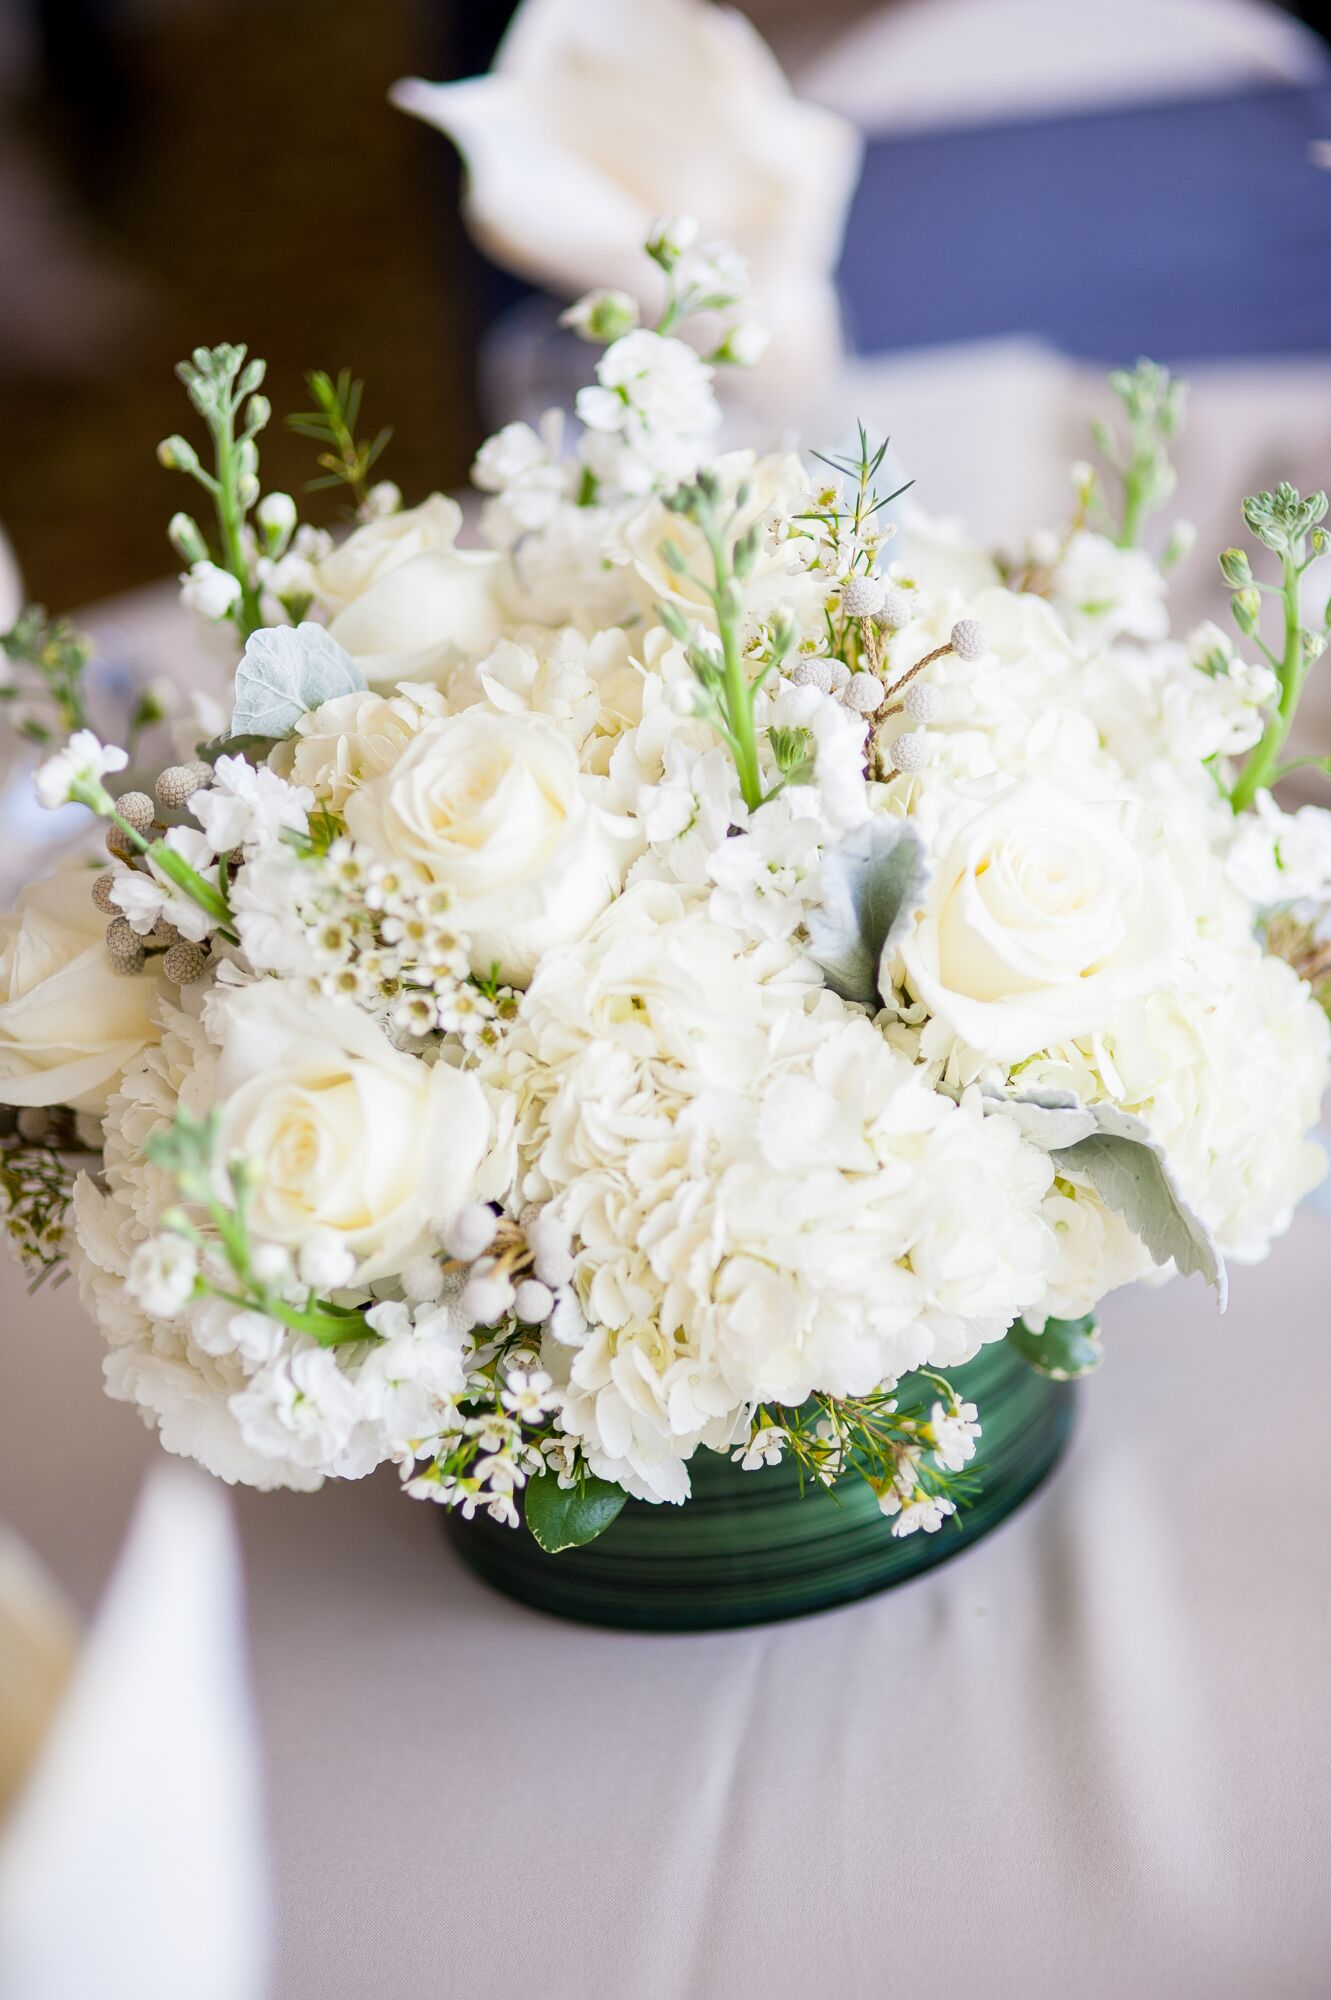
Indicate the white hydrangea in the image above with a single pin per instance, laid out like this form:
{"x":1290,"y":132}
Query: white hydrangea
{"x":764,"y":1196}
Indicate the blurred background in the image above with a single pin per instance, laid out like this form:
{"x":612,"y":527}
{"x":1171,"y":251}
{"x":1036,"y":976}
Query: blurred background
{"x":177,"y":171}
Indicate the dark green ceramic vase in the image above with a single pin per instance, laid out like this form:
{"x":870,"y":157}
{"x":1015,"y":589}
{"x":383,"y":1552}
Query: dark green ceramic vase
{"x":749,"y":1548}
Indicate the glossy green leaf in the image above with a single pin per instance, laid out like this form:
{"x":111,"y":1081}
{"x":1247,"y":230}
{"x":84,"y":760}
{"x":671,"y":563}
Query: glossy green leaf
{"x":1067,"y":1349}
{"x":567,"y":1517}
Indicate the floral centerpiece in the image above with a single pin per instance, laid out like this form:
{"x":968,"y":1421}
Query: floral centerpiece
{"x":679,"y":977}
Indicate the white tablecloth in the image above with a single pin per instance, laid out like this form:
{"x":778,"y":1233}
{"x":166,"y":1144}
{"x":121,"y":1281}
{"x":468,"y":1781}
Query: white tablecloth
{"x":1092,"y":1756}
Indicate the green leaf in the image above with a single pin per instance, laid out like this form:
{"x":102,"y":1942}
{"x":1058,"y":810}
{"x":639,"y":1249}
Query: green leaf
{"x":567,"y":1517}
{"x":286,"y":670}
{"x":1066,"y":1350}
{"x":872,"y":884}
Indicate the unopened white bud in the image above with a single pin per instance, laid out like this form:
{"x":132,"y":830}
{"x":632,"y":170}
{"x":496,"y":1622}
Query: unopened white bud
{"x":895,"y":610}
{"x":862,"y":596}
{"x":744,"y":345}
{"x":471,"y":1232}
{"x":968,"y":639}
{"x":911,"y":752}
{"x":276,"y":516}
{"x":422,"y":1280}
{"x":486,"y":1297}
{"x":383,"y":498}
{"x":863,"y":694}
{"x":325,"y":1262}
{"x":533,"y":1302}
{"x":814,"y":671}
{"x":602,"y":316}
{"x":271,"y":1264}
{"x":669,"y":237}
{"x":922,"y":702}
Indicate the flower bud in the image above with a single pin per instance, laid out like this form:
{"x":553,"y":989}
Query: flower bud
{"x":177,"y":454}
{"x":276,"y":516}
{"x":669,"y":237}
{"x":186,"y":539}
{"x":1234,"y":567}
{"x":602,"y":316}
{"x":1246,"y":606}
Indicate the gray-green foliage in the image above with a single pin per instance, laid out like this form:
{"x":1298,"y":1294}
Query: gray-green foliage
{"x":1125,"y":1163}
{"x":871,"y":886}
{"x":285,"y":671}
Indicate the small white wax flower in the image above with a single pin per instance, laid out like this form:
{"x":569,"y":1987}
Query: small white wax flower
{"x":84,"y":760}
{"x":922,"y":702}
{"x":325,"y":1262}
{"x":955,"y":1430}
{"x":862,"y":596}
{"x":533,"y":1302}
{"x":968,"y":639}
{"x":529,"y":1394}
{"x":895,"y":610}
{"x":210,"y":591}
{"x":471,"y":1232}
{"x":161,"y":1275}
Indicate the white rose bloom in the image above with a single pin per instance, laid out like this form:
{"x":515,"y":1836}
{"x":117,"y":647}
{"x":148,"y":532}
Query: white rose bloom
{"x":495,"y":809}
{"x":69,"y":1025}
{"x":355,"y":737}
{"x":1042,"y":915}
{"x":378,"y":547}
{"x":346,"y":1132}
{"x":404,"y":602}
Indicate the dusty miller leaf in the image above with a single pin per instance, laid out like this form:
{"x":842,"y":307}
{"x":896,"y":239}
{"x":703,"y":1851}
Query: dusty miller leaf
{"x":286,"y":670}
{"x":871,"y":885}
{"x":1126,"y":1165}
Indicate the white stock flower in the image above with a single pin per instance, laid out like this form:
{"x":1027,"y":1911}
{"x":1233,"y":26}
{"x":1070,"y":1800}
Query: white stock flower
{"x":161,"y":1275}
{"x":651,"y":416}
{"x":211,"y":592}
{"x":599,"y":119}
{"x":1106,"y":592}
{"x":495,"y":810}
{"x":768,"y":876}
{"x":378,"y":547}
{"x":69,"y":1025}
{"x":148,"y":897}
{"x":345,"y":1132}
{"x":777,"y":482}
{"x":1041,"y":916}
{"x":303,"y":1408}
{"x":247,"y":806}
{"x":1278,"y":857}
{"x":530,"y":481}
{"x":84,"y":760}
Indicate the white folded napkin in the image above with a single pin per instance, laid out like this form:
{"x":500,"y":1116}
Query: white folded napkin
{"x":132,"y":1850}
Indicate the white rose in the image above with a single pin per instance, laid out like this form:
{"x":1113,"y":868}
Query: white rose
{"x":68,"y":1023}
{"x":1039,"y":918}
{"x":348,"y":1133}
{"x":600,"y":118}
{"x":346,"y":741}
{"x":404,"y":601}
{"x":495,"y":809}
{"x":372,"y":551}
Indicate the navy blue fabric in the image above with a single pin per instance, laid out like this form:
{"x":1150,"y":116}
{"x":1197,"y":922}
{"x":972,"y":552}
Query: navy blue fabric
{"x":1188,"y":231}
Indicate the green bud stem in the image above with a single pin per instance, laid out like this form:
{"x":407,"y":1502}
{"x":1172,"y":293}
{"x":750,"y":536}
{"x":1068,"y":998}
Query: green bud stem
{"x":1260,"y":771}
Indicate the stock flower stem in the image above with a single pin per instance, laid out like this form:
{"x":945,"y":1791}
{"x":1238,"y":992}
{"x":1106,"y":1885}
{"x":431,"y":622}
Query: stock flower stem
{"x":1260,"y":771}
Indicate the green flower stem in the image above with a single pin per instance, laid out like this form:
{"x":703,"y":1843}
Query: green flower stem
{"x":736,"y":693}
{"x":174,"y":866}
{"x":230,"y":517}
{"x":328,"y":1325}
{"x":1259,"y":772}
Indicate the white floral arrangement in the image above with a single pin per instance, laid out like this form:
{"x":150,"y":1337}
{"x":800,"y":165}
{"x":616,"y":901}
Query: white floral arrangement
{"x":683,"y":973}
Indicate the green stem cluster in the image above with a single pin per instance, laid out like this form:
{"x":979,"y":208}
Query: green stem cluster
{"x":727,"y":690}
{"x":1290,"y":527}
{"x":224,"y":389}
